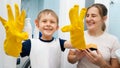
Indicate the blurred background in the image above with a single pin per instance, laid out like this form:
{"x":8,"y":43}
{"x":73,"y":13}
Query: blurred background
{"x":61,"y":7}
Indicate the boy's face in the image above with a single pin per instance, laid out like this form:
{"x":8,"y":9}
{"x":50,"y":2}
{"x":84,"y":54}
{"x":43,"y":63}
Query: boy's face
{"x":47,"y":25}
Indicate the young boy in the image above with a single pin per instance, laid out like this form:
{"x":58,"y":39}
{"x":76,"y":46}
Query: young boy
{"x":45,"y":52}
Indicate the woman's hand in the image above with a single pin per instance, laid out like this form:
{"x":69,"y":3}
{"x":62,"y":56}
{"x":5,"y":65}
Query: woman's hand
{"x":95,"y":57}
{"x":79,"y":54}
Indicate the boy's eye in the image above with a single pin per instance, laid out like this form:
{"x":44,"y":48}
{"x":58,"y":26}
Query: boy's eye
{"x":44,"y":21}
{"x":52,"y":22}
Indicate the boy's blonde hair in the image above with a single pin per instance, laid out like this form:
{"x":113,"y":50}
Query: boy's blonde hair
{"x":47,"y":11}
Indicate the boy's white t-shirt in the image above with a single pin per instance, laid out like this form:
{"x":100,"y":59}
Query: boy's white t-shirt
{"x":106,"y":43}
{"x":45,"y":54}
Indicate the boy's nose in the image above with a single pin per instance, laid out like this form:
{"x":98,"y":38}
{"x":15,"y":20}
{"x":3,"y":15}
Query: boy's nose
{"x":48,"y":23}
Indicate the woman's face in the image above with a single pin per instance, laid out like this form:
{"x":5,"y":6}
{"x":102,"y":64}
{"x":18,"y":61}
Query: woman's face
{"x":93,"y":19}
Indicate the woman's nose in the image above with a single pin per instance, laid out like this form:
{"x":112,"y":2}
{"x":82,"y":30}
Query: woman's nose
{"x":88,"y":18}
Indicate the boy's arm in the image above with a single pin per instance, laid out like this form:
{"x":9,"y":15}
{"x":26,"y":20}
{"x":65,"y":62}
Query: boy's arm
{"x":75,"y":55}
{"x":72,"y":57}
{"x":14,"y":31}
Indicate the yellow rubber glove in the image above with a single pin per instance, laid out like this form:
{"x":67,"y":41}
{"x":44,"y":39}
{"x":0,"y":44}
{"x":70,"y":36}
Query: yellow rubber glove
{"x":14,"y":31}
{"x":76,"y":28}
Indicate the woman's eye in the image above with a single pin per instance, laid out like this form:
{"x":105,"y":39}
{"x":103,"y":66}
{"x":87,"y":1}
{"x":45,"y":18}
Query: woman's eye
{"x":93,"y":15}
{"x":87,"y":15}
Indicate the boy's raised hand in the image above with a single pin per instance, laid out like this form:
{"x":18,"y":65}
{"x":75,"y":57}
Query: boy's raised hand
{"x":14,"y":31}
{"x":76,"y":28}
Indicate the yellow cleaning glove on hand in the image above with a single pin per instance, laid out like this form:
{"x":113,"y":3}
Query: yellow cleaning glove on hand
{"x":76,"y":28}
{"x":14,"y":31}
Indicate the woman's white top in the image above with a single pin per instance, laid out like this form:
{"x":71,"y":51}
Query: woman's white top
{"x":106,"y":43}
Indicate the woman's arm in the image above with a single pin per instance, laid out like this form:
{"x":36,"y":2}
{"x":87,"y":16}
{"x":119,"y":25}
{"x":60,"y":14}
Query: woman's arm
{"x":113,"y":64}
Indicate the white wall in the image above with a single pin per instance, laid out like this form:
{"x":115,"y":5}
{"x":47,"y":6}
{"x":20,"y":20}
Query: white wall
{"x":6,"y":61}
{"x":114,"y":19}
{"x":65,"y":6}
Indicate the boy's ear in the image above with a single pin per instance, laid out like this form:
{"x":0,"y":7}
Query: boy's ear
{"x":36,"y":23}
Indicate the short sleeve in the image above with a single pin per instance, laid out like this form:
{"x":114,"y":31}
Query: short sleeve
{"x":26,"y":47}
{"x":116,"y":45}
{"x":62,"y":41}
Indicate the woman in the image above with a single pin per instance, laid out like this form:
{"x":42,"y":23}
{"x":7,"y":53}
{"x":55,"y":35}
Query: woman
{"x":104,"y":56}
